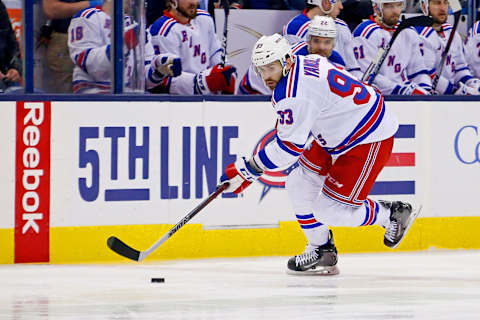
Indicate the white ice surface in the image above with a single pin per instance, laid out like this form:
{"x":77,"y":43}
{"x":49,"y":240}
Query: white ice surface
{"x":420,"y":285}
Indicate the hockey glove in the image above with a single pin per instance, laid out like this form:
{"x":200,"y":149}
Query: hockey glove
{"x":462,"y":89}
{"x":216,"y":80}
{"x":473,"y":86}
{"x":130,"y":36}
{"x":167,"y":65}
{"x":411,"y":89}
{"x":240,"y":175}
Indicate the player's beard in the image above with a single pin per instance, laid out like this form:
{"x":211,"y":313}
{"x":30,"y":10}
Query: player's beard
{"x":390,"y":22}
{"x":440,"y":19}
{"x":189,"y":12}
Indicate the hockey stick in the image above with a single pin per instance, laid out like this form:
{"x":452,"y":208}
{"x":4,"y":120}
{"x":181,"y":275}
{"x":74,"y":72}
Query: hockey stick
{"x":226,"y":9}
{"x":126,"y":251}
{"x":376,"y":64}
{"x":457,"y":10}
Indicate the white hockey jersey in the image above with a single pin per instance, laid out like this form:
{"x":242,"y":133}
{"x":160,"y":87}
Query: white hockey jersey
{"x":297,"y":28}
{"x":196,"y":43}
{"x":252,"y":83}
{"x":89,"y":46}
{"x":472,"y":49}
{"x":400,"y":65}
{"x":316,"y":98}
{"x":455,"y":68}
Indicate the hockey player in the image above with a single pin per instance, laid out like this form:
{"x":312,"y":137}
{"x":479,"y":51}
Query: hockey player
{"x":296,"y":30}
{"x":89,"y":46}
{"x":403,"y":71}
{"x":349,"y":122}
{"x":189,"y":33}
{"x":456,"y":77}
{"x":472,"y":49}
{"x":320,"y":40}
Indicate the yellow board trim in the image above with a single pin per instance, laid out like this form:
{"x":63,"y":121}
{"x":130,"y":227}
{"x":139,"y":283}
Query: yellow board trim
{"x":7,"y":246}
{"x":88,"y":244}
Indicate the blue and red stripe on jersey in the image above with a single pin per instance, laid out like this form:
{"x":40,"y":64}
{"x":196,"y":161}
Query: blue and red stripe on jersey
{"x":365,"y":29}
{"x":366,"y":126}
{"x":307,"y":221}
{"x":292,"y":148}
{"x":287,"y":86}
{"x":162,"y":26}
{"x":300,"y":48}
{"x":298,"y":26}
{"x":81,"y":59}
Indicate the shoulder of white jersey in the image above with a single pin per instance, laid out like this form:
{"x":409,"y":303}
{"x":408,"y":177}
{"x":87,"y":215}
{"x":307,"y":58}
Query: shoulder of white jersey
{"x":340,"y":22}
{"x":287,"y":86}
{"x":475,"y":30}
{"x":201,"y":13}
{"x":86,"y":13}
{"x":365,"y":29}
{"x":446,"y":27}
{"x":424,"y":31}
{"x":162,"y":26}
{"x":297,"y":26}
{"x":300,"y":48}
{"x":336,"y":58}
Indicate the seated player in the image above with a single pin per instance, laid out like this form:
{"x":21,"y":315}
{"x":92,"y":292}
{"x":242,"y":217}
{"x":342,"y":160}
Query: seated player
{"x":403,"y":72}
{"x":296,"y":30}
{"x":472,"y":49}
{"x":189,"y":33}
{"x":455,"y":77}
{"x":320,"y":40}
{"x":89,"y":46}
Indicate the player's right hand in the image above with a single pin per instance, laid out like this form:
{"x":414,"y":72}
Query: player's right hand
{"x":168,"y":64}
{"x":217,"y":80}
{"x":412,"y":89}
{"x":239,"y":175}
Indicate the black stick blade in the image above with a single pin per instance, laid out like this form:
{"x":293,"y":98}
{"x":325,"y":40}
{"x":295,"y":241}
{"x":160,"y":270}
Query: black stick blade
{"x":122,"y":248}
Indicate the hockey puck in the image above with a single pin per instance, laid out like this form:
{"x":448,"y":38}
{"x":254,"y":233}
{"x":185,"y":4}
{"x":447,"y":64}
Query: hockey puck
{"x":158,"y":280}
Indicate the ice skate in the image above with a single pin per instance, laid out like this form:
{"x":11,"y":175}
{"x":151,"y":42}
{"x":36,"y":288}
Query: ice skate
{"x":402,"y":217}
{"x":320,"y":261}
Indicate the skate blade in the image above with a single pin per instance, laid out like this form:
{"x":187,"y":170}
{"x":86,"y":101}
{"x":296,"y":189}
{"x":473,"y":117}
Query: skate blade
{"x":413,"y":216}
{"x":319,"y":271}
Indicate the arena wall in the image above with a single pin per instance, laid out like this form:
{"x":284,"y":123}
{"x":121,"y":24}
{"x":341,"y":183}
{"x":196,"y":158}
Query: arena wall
{"x":76,"y":172}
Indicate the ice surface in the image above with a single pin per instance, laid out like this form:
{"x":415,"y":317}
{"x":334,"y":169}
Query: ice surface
{"x":397,"y":285}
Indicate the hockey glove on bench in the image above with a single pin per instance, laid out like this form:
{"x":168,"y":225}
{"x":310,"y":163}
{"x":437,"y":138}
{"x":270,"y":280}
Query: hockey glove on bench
{"x":240,"y":175}
{"x":216,"y":80}
{"x":167,"y":65}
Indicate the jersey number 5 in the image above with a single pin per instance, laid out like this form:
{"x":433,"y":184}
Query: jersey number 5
{"x":344,"y":86}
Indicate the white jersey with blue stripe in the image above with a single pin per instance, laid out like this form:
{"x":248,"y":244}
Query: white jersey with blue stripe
{"x":455,"y":68}
{"x":89,"y":47}
{"x":196,"y":43}
{"x":321,"y":100}
{"x":252,"y":83}
{"x":400,"y":65}
{"x":472,"y":49}
{"x":297,"y":28}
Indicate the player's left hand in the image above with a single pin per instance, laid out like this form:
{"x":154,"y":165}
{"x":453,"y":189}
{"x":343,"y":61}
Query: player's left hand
{"x":168,"y":64}
{"x":240,"y":175}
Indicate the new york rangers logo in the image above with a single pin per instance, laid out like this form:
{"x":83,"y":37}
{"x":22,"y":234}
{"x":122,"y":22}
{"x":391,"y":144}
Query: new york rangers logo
{"x":271,"y":179}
